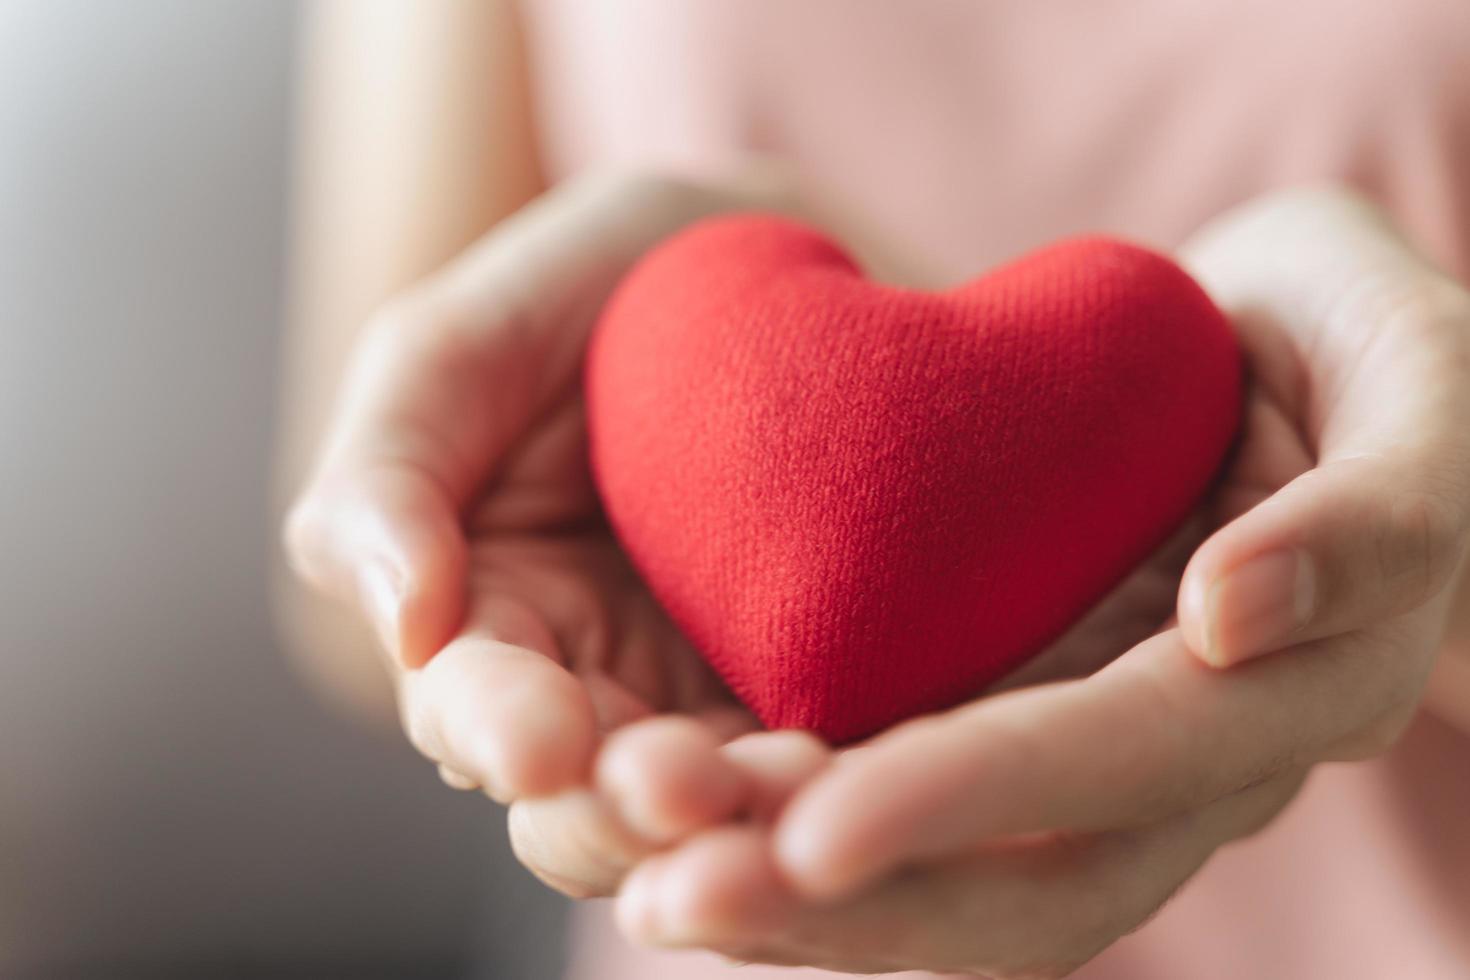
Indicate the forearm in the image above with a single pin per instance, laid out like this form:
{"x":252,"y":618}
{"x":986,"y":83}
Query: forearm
{"x":415,"y":137}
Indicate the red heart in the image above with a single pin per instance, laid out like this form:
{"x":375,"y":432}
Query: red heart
{"x":861,"y":502}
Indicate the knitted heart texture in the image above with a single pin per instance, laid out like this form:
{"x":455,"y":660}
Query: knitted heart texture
{"x":861,"y":503}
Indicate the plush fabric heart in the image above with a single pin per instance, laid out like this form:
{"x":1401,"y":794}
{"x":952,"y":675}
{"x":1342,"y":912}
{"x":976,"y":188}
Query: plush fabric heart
{"x":861,"y":502}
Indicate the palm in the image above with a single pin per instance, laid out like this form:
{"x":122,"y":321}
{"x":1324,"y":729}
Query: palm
{"x":541,"y":549}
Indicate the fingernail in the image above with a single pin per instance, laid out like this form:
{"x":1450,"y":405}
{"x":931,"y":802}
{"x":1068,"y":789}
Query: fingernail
{"x":382,"y":597}
{"x":636,"y":909}
{"x":488,"y":762}
{"x":1258,"y":607}
{"x":455,"y":779}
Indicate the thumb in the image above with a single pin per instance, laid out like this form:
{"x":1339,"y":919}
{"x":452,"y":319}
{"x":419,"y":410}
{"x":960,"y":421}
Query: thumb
{"x":1382,"y":344}
{"x":1349,"y":543}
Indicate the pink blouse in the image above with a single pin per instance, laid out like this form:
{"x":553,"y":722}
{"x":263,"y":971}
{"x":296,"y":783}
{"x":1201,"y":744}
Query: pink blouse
{"x":975,"y":129}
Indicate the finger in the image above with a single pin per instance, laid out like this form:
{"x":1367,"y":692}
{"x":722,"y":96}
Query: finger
{"x":415,"y":433}
{"x":692,"y":895}
{"x":1037,"y":909}
{"x":440,"y":386}
{"x":1154,"y":734}
{"x":669,"y":775}
{"x":456,"y":780}
{"x":1349,"y":543}
{"x":657,"y":779}
{"x":505,"y":715}
{"x":389,"y":541}
{"x":666,"y":777}
{"x":574,"y":842}
{"x":775,"y":765}
{"x":582,"y":843}
{"x":1383,"y":342}
{"x":721,"y":892}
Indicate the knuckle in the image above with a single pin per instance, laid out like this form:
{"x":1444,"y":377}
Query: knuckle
{"x":301,"y":535}
{"x":437,"y":334}
{"x":1421,"y":544}
{"x":1390,"y":695}
{"x":305,"y":540}
{"x":1323,"y":199}
{"x":390,"y":326}
{"x":621,"y":182}
{"x":674,"y":199}
{"x":1428,"y":313}
{"x":759,"y":180}
{"x":1172,"y":739}
{"x":1376,"y":738}
{"x":1299,"y":212}
{"x":636,"y":196}
{"x":411,"y":327}
{"x":659,"y":191}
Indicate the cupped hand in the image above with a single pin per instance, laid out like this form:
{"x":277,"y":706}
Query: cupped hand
{"x":1023,"y":833}
{"x":453,"y":506}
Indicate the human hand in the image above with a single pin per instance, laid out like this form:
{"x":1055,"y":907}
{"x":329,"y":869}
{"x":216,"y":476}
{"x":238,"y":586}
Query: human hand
{"x":453,"y":506}
{"x":1019,"y":835}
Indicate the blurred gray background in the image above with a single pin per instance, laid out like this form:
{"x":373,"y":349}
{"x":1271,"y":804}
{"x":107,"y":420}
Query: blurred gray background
{"x":172,"y":802}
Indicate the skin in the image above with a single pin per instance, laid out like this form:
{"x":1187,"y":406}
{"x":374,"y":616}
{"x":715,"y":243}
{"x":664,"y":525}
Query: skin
{"x":444,"y":502}
{"x":387,"y":193}
{"x":1002,"y":822}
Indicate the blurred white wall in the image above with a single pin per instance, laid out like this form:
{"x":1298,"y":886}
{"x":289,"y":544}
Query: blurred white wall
{"x":171,"y":803}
